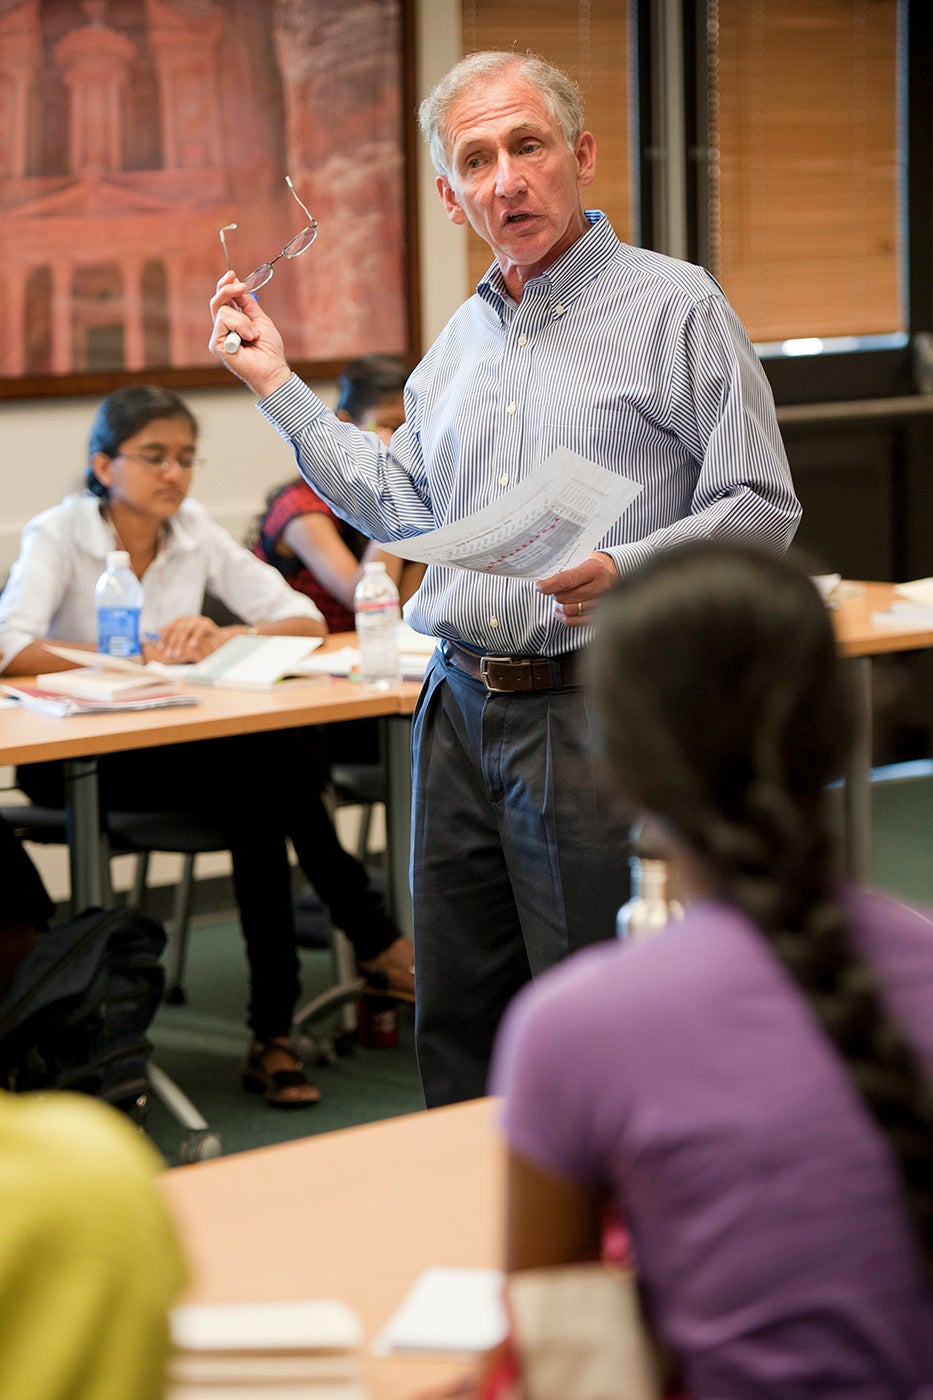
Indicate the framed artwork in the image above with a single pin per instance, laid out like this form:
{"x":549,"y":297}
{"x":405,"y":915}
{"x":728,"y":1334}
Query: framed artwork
{"x":132,"y":131}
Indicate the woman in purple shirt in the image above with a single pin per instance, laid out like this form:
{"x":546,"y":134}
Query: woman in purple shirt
{"x":751,"y":1090}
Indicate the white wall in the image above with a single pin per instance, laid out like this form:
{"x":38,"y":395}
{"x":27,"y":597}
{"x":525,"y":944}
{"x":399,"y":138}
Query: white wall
{"x":43,"y":442}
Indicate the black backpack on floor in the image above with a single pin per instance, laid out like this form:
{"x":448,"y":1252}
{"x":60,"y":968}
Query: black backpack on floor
{"x":77,"y":1011}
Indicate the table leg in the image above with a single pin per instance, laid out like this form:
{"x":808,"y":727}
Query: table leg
{"x":858,"y":775}
{"x":397,"y":738}
{"x":88,"y":856}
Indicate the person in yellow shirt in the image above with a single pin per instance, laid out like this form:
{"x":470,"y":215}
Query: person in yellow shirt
{"x":89,"y":1261}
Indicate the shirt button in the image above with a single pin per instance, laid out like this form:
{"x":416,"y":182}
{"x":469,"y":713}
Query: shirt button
{"x":523,"y":340}
{"x":503,"y":479}
{"x":559,"y":310}
{"x":494,"y":622}
{"x":510,"y":408}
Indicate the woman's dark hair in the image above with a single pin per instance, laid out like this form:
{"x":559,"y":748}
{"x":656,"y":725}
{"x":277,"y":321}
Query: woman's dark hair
{"x":368,"y":380}
{"x":725,"y":711}
{"x":125,"y":412}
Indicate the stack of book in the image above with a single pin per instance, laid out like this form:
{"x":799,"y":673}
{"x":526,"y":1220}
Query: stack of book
{"x":107,"y":683}
{"x":266,"y":1351}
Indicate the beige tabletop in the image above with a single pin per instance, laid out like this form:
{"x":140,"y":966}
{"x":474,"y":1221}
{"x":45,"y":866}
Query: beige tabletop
{"x":354,"y":1215}
{"x":28,"y":737}
{"x":859,"y":635}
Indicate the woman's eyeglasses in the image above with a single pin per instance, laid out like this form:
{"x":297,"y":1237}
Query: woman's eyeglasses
{"x":158,"y":462}
{"x":293,"y":248}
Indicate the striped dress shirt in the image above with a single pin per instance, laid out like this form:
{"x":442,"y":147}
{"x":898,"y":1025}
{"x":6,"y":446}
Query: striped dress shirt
{"x":629,"y":358}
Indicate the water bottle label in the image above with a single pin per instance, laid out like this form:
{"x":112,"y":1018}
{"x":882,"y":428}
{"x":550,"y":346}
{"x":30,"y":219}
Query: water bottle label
{"x":118,"y":631}
{"x":378,"y":607}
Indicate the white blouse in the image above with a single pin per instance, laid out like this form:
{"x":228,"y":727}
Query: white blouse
{"x":63,"y":551}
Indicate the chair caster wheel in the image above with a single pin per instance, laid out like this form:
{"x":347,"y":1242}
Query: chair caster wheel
{"x":200,"y":1147}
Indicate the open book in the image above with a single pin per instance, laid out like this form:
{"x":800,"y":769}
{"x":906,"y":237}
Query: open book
{"x":254,"y":663}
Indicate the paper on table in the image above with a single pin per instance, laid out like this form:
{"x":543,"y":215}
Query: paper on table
{"x":458,"y":1311}
{"x":414,"y":651}
{"x":920,"y":591}
{"x":548,"y":522}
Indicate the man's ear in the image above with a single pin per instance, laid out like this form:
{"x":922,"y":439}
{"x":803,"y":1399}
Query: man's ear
{"x":102,"y":467}
{"x":586,"y":159}
{"x":449,"y":200}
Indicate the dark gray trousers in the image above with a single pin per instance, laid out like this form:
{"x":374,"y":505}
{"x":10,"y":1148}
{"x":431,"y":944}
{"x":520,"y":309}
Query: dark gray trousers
{"x":517,"y":860}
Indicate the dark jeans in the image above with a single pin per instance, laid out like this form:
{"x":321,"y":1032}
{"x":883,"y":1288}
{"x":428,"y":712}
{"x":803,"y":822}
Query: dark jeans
{"x":258,"y":789}
{"x":518,"y":858}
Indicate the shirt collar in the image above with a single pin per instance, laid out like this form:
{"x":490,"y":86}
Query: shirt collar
{"x":567,"y":278}
{"x":181,"y":530}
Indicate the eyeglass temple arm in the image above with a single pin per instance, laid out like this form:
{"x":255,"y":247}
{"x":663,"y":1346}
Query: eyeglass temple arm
{"x":312,"y":221}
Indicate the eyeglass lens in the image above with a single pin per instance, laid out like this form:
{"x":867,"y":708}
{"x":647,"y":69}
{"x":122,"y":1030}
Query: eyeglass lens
{"x":299,"y":244}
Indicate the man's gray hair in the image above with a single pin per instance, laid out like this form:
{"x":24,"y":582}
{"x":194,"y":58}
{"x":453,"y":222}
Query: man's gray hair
{"x":560,"y":93}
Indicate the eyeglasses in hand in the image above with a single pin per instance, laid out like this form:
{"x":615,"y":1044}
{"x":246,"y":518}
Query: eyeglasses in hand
{"x":293,"y":248}
{"x":265,"y":272}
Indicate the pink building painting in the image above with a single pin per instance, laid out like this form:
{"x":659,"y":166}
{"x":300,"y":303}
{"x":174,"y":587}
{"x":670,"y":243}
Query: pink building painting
{"x":132,"y":130}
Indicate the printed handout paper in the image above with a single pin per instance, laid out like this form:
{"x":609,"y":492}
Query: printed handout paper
{"x":547,"y":523}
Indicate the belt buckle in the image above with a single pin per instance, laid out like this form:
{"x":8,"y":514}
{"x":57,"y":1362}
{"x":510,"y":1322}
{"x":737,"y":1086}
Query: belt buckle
{"x":484,"y":663}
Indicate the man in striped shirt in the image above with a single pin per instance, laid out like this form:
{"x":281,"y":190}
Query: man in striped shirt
{"x":573,"y":339}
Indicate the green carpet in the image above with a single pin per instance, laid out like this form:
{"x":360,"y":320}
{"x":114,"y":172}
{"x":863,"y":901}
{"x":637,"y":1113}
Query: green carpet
{"x":201,"y":1045}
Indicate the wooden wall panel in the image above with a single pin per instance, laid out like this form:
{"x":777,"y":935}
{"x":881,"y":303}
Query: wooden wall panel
{"x":588,"y":40}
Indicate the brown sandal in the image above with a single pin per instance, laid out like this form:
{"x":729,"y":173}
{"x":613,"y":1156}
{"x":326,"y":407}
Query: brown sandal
{"x":392,"y":972}
{"x":278,"y":1086}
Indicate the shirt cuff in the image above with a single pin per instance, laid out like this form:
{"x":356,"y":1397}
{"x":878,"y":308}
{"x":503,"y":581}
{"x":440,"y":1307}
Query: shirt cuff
{"x":291,"y":407}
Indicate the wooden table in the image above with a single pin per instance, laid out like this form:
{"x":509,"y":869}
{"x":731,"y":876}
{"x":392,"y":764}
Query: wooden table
{"x":861,"y":638}
{"x":354,"y":1215}
{"x":28,"y":737}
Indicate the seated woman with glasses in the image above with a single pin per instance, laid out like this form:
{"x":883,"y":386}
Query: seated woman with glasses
{"x":751,"y":1089}
{"x":258,"y":789}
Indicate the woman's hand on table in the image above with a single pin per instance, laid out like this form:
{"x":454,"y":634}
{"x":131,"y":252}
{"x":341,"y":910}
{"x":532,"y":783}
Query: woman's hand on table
{"x":186,"y":639}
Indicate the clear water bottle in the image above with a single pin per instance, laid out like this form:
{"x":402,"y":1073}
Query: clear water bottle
{"x":378,"y":614}
{"x":118,"y":598}
{"x":650,"y":906}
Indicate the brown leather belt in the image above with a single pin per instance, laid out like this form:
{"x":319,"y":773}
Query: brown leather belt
{"x":516,"y":673}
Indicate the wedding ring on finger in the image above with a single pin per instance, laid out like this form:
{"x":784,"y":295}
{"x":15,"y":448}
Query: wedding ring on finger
{"x":579,"y":610}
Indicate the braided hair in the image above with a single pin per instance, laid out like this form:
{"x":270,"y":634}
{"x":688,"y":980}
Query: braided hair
{"x":725,"y":712}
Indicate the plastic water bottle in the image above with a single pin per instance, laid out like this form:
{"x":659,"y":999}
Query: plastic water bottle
{"x":378,"y":615}
{"x":650,"y":906}
{"x":118,"y":598}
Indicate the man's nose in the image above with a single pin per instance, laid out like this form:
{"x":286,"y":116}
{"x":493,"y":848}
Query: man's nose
{"x":509,"y":178}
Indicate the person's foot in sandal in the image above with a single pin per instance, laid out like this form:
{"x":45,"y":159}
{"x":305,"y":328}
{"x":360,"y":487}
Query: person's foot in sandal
{"x":274,"y":1070}
{"x":393,"y":971}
